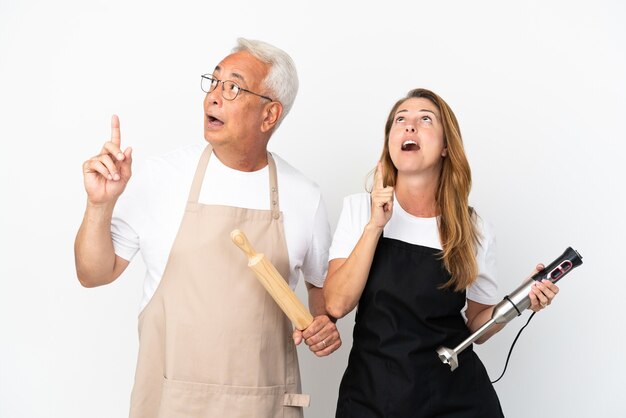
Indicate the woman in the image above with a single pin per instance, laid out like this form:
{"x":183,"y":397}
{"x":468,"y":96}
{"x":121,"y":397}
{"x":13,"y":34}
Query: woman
{"x":412,"y":255}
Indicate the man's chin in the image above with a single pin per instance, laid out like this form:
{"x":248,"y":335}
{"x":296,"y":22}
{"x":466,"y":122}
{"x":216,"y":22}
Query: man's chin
{"x":212,"y":138}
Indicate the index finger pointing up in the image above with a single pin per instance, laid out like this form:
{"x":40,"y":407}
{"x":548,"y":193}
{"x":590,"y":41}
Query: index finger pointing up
{"x":115,"y":130}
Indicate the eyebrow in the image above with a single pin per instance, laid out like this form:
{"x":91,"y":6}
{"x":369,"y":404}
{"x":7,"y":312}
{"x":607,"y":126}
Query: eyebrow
{"x":234,"y":75}
{"x":421,"y":110}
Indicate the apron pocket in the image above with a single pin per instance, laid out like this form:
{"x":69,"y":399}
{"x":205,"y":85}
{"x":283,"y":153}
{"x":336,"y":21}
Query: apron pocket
{"x":202,"y":400}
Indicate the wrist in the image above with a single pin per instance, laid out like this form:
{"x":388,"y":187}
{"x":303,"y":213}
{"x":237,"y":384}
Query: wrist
{"x":372,"y":228}
{"x":99,"y":212}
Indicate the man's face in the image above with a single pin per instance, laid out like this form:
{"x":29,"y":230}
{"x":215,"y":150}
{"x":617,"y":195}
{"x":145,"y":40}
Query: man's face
{"x":237,"y":123}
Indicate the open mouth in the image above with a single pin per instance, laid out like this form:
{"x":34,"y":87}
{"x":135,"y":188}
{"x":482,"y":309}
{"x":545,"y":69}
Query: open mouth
{"x":213,"y":121}
{"x":410,"y":146}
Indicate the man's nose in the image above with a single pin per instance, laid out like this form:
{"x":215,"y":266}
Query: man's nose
{"x":214,"y":96}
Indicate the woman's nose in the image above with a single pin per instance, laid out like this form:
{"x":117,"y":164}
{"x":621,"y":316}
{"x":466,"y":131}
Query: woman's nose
{"x":409,"y":128}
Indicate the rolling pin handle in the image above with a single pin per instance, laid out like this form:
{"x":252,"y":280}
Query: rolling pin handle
{"x":241,"y":241}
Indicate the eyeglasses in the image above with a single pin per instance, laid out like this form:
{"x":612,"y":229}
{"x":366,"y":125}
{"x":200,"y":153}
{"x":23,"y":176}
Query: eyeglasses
{"x":230,"y":89}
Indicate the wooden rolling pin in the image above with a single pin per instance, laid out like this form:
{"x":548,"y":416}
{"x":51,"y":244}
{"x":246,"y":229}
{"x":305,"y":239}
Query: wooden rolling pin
{"x":274,"y":283}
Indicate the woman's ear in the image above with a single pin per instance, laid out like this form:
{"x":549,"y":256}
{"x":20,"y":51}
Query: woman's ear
{"x":444,"y":152}
{"x":272,"y":115}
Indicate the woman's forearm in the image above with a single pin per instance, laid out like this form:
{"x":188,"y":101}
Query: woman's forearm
{"x":347,"y":276}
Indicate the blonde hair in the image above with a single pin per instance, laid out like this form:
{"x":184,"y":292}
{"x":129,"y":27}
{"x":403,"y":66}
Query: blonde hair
{"x":457,"y":222}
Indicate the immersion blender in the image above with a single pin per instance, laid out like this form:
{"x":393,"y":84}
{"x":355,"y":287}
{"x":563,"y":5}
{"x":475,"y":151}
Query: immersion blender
{"x":515,"y":303}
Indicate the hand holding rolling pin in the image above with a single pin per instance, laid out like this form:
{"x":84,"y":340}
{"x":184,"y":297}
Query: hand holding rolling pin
{"x":319,"y":333}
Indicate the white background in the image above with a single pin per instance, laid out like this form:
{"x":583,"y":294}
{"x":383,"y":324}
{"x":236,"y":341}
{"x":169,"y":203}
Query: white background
{"x":539,"y":90}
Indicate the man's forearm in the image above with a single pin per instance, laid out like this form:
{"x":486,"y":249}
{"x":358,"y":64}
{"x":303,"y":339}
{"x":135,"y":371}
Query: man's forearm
{"x":316,"y":300}
{"x":93,"y":249}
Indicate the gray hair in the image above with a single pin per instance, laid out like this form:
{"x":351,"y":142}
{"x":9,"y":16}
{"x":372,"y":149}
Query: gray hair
{"x":282,"y":77}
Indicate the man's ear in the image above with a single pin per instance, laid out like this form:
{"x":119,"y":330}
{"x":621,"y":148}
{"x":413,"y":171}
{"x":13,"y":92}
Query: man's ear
{"x":273,"y":111}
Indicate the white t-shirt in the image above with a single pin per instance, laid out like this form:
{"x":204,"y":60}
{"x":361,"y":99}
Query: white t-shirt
{"x":419,"y":231}
{"x":148,"y":214}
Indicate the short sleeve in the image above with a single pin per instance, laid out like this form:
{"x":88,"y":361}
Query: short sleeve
{"x":485,"y":288}
{"x":315,"y":263}
{"x":353,"y":218}
{"x":125,"y":239}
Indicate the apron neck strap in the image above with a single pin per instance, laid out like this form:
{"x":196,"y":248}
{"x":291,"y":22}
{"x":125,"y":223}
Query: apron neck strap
{"x":275,"y":207}
{"x":198,"y":178}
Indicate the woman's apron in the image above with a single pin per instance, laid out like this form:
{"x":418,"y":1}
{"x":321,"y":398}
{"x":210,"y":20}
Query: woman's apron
{"x":402,"y":318}
{"x":212,"y":342}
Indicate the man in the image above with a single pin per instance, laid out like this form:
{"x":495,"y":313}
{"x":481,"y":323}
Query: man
{"x":212,"y":342}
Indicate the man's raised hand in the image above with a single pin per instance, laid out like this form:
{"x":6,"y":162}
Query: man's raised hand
{"x":106,"y":174}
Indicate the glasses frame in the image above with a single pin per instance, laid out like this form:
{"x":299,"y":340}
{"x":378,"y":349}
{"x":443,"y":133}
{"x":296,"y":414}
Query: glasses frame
{"x":239,"y":88}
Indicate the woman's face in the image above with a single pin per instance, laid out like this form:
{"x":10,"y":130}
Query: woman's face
{"x":416,"y":144}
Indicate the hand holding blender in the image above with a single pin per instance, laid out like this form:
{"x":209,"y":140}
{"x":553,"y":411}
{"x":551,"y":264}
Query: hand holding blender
{"x":516,"y":302}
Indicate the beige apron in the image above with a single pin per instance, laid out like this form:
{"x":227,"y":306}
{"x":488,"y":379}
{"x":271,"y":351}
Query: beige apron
{"x":212,"y":342}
